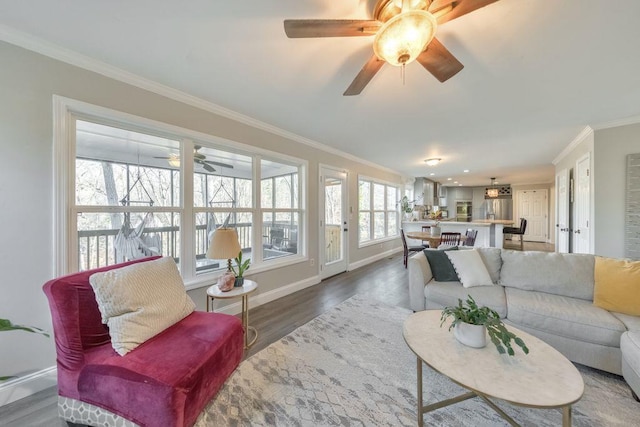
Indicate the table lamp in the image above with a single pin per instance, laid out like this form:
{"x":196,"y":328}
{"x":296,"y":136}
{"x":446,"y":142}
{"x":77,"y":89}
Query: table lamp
{"x":224,"y":244}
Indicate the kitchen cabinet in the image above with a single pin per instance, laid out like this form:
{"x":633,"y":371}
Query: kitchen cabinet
{"x":424,"y":191}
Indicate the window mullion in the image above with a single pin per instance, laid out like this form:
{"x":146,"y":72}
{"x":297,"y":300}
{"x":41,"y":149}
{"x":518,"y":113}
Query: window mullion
{"x":256,"y":243}
{"x":187,"y":216}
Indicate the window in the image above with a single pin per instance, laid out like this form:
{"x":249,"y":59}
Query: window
{"x":377,"y":216}
{"x":142,"y":188}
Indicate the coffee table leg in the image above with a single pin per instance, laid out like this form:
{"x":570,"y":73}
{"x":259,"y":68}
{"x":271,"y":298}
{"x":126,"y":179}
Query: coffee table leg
{"x":420,"y":415}
{"x":566,"y":416}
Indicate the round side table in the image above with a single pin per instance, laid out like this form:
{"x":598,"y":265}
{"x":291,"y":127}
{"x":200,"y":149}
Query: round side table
{"x":241,"y":291}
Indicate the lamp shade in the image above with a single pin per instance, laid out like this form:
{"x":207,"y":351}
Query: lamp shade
{"x":224,"y":244}
{"x":403,"y":37}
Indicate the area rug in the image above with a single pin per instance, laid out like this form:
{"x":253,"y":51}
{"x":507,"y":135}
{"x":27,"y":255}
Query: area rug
{"x":351,"y":367}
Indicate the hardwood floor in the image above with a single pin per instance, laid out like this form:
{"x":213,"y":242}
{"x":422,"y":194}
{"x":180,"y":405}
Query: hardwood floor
{"x":385,"y":280}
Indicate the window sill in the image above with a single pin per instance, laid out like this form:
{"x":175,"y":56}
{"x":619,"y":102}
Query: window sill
{"x":207,"y":280}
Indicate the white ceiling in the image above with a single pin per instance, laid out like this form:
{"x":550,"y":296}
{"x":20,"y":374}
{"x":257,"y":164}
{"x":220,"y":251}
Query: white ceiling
{"x":536,"y":73}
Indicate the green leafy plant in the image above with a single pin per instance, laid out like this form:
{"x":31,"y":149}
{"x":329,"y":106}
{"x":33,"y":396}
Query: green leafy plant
{"x":469,"y":312}
{"x":241,"y":266}
{"x":6,"y":325}
{"x":405,"y":205}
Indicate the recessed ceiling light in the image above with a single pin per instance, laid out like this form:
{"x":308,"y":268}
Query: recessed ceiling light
{"x":459,"y":185}
{"x":433,"y":161}
{"x":455,"y":182}
{"x":466,"y":171}
{"x":431,"y":174}
{"x":448,"y":179}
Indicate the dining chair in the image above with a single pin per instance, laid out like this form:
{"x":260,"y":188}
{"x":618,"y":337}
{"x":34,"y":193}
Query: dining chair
{"x":425,"y":229}
{"x":519,"y":231}
{"x":448,"y":238}
{"x":470,"y":239}
{"x":408,"y":249}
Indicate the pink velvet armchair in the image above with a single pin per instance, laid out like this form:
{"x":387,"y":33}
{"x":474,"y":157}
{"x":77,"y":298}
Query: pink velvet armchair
{"x":166,"y":381}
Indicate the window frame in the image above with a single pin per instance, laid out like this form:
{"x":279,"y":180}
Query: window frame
{"x":65,"y":113}
{"x":372,"y":211}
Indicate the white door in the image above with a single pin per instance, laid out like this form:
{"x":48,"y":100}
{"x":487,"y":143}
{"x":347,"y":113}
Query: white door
{"x":582,"y":206}
{"x":333,"y":225}
{"x":562,"y":211}
{"x":533,"y":206}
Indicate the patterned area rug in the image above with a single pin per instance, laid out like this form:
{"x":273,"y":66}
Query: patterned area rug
{"x":351,"y":367}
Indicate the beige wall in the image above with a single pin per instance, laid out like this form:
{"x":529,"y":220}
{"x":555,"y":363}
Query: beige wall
{"x":611,"y":148}
{"x":29,"y":81}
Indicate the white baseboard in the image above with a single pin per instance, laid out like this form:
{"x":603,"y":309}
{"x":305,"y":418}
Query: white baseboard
{"x":25,"y":386}
{"x":377,"y":257}
{"x":263,"y":298}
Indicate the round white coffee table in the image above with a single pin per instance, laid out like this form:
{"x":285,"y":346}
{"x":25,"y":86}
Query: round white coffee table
{"x":542,"y":379}
{"x":213,"y":292}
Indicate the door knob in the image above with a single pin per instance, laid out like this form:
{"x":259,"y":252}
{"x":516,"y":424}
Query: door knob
{"x":577,"y":231}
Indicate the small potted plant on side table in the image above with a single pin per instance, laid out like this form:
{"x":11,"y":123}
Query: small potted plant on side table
{"x":241,"y":266}
{"x":471,"y":324}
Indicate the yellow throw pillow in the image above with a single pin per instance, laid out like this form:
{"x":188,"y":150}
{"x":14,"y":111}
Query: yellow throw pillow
{"x":617,"y":285}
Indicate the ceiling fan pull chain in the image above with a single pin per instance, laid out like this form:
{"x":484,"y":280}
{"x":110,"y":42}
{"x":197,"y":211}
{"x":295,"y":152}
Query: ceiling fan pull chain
{"x":402,"y":72}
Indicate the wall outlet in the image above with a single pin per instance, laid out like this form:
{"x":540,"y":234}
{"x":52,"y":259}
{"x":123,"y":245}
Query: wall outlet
{"x":312,"y":262}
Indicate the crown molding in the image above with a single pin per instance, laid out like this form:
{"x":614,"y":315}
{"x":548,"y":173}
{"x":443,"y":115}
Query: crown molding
{"x":584,"y":133}
{"x":615,"y":123}
{"x":51,"y":50}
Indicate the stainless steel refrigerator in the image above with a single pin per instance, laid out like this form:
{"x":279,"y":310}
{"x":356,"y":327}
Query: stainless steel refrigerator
{"x":497,"y":209}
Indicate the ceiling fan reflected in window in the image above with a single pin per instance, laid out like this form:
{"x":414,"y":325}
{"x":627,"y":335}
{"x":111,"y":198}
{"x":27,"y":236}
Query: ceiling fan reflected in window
{"x":404,"y":32}
{"x":198,"y":158}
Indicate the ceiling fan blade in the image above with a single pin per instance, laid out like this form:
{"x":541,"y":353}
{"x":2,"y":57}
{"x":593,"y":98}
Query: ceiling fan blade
{"x":206,"y":167}
{"x":365,"y":75}
{"x":222,"y":165}
{"x":303,"y":28}
{"x":439,"y":61}
{"x":460,"y":8}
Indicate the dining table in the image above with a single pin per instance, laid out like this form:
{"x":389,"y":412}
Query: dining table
{"x":434,"y":241}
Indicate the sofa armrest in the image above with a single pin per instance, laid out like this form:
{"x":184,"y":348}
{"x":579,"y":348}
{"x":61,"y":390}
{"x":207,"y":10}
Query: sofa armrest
{"x":419,"y":275}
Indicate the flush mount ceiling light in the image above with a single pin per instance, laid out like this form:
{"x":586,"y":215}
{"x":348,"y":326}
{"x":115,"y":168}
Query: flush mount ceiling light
{"x":433,"y":161}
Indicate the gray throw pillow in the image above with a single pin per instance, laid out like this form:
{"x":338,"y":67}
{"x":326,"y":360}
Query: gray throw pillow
{"x":440,"y":264}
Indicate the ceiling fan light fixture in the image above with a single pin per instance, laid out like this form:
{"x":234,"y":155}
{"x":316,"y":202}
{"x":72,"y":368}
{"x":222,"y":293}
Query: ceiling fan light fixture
{"x":402,"y":38}
{"x":174,"y":160}
{"x":433,"y":161}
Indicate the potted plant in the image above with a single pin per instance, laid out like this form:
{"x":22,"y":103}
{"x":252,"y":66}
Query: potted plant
{"x":471,"y":323}
{"x":241,"y":266}
{"x":405,"y":207}
{"x":6,"y":325}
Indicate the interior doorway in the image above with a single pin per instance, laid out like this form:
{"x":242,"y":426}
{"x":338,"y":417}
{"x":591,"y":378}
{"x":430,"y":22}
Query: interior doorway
{"x":533,"y":205}
{"x":562,"y":211}
{"x":333,"y":224}
{"x":582,"y":206}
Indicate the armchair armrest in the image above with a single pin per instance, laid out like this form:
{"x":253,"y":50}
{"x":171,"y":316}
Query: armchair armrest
{"x":419,"y":275}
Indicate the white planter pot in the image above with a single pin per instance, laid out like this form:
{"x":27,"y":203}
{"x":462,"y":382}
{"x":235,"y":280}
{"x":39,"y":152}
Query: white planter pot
{"x":471,"y":335}
{"x":435,"y":231}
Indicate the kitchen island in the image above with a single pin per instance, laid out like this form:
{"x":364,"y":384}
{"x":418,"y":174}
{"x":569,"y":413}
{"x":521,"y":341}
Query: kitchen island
{"x":490,"y":231}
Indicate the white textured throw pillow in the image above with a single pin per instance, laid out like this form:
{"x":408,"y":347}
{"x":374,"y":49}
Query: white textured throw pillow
{"x":470,"y":268}
{"x":140,"y":300}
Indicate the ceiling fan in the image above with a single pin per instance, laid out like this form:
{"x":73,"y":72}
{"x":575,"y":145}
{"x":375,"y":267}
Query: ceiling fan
{"x":199,"y":158}
{"x":404,"y":31}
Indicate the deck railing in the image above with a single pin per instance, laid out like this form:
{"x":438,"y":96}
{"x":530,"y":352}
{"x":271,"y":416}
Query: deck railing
{"x":96,"y":248}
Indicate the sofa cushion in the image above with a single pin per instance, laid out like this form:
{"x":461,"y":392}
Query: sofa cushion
{"x":492,"y":258}
{"x":632,"y":323}
{"x":617,"y":285}
{"x":442,"y":294}
{"x":470,"y":268}
{"x":140,"y":300}
{"x":563,"y":316}
{"x":441,"y":266}
{"x":569,"y":275}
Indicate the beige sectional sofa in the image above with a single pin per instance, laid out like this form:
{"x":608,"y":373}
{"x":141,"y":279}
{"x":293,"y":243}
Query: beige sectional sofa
{"x":548,"y":295}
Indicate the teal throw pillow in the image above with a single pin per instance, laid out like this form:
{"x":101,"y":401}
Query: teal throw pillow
{"x":441,"y":266}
